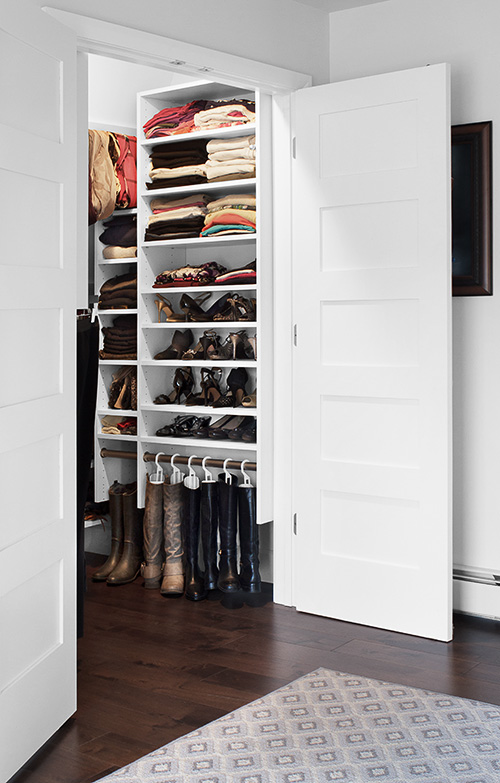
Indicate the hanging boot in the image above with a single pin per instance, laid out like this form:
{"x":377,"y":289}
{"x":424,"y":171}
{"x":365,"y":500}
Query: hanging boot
{"x":153,"y":535}
{"x":195,"y":582}
{"x":209,"y":520}
{"x":173,"y":509}
{"x":130,"y":563}
{"x":228,"y":580}
{"x":116,"y":514}
{"x":249,"y":539}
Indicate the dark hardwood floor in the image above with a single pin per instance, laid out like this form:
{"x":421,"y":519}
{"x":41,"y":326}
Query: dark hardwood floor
{"x":152,"y":669}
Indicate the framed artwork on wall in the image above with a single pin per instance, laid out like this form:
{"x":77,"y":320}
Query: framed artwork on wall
{"x":471,"y":209}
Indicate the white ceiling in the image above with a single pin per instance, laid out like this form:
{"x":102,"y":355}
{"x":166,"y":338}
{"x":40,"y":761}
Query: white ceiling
{"x":337,"y":5}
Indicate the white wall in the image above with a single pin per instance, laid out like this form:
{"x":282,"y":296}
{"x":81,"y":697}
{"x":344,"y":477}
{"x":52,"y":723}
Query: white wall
{"x":278,"y":32}
{"x":113,"y":87}
{"x":399,"y":34}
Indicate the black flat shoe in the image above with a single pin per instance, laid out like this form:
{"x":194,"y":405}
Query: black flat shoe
{"x":245,"y":428}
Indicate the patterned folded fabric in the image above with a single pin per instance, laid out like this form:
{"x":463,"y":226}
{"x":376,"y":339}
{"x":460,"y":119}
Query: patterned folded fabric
{"x":190,"y":275}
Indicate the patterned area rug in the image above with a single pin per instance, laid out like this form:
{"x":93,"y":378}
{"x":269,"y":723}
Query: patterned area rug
{"x":330,"y":726}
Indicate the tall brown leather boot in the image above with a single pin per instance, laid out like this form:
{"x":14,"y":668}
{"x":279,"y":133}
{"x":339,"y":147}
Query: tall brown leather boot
{"x":173,"y":511}
{"x":130,"y":563}
{"x":153,"y":536}
{"x":116,"y":514}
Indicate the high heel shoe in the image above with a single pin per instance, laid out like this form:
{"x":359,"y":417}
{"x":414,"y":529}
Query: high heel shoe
{"x":244,"y":431}
{"x":208,"y":347}
{"x":179,"y":345}
{"x":250,"y":347}
{"x":243,"y":309}
{"x":210,"y":389}
{"x":183,"y":384}
{"x":191,"y":307}
{"x":235,"y":389}
{"x":164,"y":305}
{"x":223,"y":432}
{"x":233,"y":348}
{"x":250,"y":400}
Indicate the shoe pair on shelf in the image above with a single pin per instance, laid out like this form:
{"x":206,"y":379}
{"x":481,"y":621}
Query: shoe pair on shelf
{"x":235,"y":428}
{"x":226,"y":308}
{"x":186,"y":427}
{"x":211,"y":393}
{"x":237,"y":345}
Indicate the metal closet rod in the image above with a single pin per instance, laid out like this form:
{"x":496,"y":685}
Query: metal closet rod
{"x":149,"y":457}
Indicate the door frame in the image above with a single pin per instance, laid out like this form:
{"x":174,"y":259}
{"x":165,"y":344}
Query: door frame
{"x":107,"y":39}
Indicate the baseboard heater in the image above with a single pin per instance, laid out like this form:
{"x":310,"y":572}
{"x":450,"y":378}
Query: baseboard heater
{"x":479,"y":576}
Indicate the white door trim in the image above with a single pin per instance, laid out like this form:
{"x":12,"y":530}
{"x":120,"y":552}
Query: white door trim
{"x":106,"y":38}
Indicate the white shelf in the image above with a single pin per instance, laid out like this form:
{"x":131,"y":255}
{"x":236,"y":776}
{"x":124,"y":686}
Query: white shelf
{"x":119,"y":362}
{"x":228,"y":239}
{"x":199,"y":410}
{"x":119,"y":212}
{"x":207,"y":443}
{"x":199,"y":363}
{"x":193,"y":289}
{"x":233,"y":325}
{"x":245,"y":129}
{"x":128,"y":438}
{"x":116,"y":261}
{"x":127,"y":414}
{"x":248,"y":184}
{"x":119,"y":311}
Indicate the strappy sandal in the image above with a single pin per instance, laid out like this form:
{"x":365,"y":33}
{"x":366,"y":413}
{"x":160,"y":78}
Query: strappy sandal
{"x":164,"y":305}
{"x":183,"y":384}
{"x":210,"y":389}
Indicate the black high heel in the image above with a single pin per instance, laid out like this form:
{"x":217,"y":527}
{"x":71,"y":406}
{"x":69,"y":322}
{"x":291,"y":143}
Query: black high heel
{"x":179,"y":345}
{"x":183,"y":384}
{"x":191,"y":307}
{"x":210,"y":389}
{"x":235,"y":389}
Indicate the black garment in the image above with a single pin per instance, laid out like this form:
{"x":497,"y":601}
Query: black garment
{"x":176,"y":182}
{"x":87,"y":344}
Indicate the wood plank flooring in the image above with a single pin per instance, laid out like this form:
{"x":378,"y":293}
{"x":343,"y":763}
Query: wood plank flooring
{"x":152,"y":669}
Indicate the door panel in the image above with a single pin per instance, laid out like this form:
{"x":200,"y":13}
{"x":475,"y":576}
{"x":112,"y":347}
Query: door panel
{"x":37,"y":394}
{"x":372,"y":402}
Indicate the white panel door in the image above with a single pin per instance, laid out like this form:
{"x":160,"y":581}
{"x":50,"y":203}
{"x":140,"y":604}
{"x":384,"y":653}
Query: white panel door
{"x":37,"y":391}
{"x":372,"y":402}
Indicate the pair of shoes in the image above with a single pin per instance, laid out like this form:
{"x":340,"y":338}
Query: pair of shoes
{"x":237,"y":345}
{"x":185,"y":427}
{"x":238,"y":309}
{"x":124,"y":562}
{"x":179,"y":345}
{"x":210,"y":387}
{"x":234,"y":428}
{"x":235,"y":392}
{"x":194,"y":312}
{"x":183,"y":384}
{"x":206,"y":348}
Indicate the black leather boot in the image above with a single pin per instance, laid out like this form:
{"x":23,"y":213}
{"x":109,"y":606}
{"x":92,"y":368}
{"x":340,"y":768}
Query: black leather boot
{"x":249,"y":539}
{"x":209,"y":520}
{"x":130,"y":563}
{"x":116,"y":514}
{"x":153,"y":536}
{"x":228,"y":580}
{"x":195,"y":582}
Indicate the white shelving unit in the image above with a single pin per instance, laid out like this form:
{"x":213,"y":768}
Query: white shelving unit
{"x":153,"y":257}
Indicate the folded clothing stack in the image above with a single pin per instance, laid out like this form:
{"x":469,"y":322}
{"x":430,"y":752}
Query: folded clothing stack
{"x":118,"y":425}
{"x":246,"y":275}
{"x":232,"y":214}
{"x":222,"y":114}
{"x":206,"y":274}
{"x":120,"y":237}
{"x":177,"y":164}
{"x":173,"y":120}
{"x":120,"y":340}
{"x":179,"y":218}
{"x":230,"y":159}
{"x":119,"y":293}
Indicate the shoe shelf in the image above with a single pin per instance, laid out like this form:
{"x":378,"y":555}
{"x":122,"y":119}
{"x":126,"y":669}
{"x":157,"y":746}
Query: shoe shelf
{"x":108,"y":436}
{"x":216,"y":325}
{"x":116,"y":261}
{"x":216,"y":189}
{"x":116,"y":412}
{"x":193,"y":290}
{"x":118,"y":362}
{"x":248,"y":129}
{"x":199,"y":410}
{"x":223,"y":363}
{"x":205,"y":443}
{"x":119,"y":311}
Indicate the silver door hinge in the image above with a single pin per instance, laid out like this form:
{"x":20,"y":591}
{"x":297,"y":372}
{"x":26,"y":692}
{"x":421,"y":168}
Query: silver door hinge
{"x":294,"y":147}
{"x":295,"y":334}
{"x":295,"y":524}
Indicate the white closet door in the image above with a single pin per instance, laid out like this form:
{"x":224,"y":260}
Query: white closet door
{"x":37,"y":357}
{"x":372,"y":402}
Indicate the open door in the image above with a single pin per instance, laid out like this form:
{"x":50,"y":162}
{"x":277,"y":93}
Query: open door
{"x":372,"y":401}
{"x":37,"y":393}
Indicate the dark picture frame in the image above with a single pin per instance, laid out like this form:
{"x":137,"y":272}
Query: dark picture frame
{"x":471,"y":209}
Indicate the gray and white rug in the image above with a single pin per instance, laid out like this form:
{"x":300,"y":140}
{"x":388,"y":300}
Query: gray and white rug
{"x":330,"y":726}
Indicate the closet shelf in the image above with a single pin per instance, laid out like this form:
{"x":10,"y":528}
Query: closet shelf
{"x":229,"y":239}
{"x":119,"y":311}
{"x":194,"y":289}
{"x":199,"y":410}
{"x":104,"y":436}
{"x":246,"y":129}
{"x":119,"y":362}
{"x":116,"y":261}
{"x":222,"y":187}
{"x":206,"y":443}
{"x":232,"y":325}
{"x":118,"y":212}
{"x":116,"y":412}
{"x":199,"y":363}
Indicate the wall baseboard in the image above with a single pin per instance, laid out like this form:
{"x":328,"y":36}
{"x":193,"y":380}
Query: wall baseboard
{"x":476,"y":598}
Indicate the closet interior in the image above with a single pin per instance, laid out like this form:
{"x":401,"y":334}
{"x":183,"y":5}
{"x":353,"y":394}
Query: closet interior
{"x":181,"y":283}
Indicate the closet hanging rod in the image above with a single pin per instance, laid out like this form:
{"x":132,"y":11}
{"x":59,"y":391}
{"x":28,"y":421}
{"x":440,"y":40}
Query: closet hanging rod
{"x":233,"y":464}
